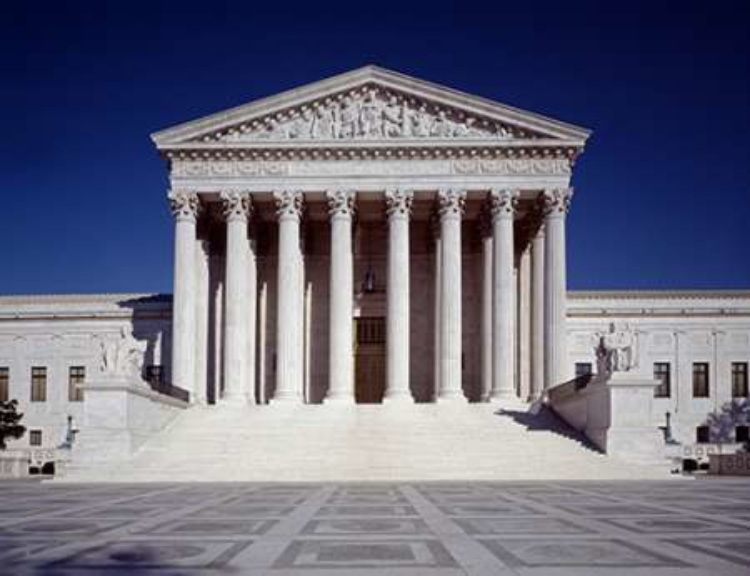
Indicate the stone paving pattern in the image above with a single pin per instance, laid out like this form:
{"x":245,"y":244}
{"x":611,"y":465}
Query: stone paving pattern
{"x":675,"y":527}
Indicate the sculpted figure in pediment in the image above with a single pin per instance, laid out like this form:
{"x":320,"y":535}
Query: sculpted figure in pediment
{"x":349,"y":118}
{"x":392,"y":117}
{"x":372,"y":116}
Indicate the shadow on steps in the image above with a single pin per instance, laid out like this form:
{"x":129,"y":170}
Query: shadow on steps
{"x":539,"y":418}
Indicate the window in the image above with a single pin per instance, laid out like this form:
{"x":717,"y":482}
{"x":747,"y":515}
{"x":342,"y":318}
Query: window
{"x":742,"y":434}
{"x":76,"y":378}
{"x":4,"y":383}
{"x":154,"y":374}
{"x":739,"y":380}
{"x":702,"y":435}
{"x":662,"y":374}
{"x":583,"y":369}
{"x":35,"y":438}
{"x":700,"y":380}
{"x":39,"y":384}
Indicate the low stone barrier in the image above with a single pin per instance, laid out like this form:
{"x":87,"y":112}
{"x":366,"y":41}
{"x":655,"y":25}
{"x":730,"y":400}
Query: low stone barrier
{"x":729,"y":464}
{"x":14,"y":464}
{"x":614,"y":412}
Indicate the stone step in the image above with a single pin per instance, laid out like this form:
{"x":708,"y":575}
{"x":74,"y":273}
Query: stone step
{"x":383,"y":443}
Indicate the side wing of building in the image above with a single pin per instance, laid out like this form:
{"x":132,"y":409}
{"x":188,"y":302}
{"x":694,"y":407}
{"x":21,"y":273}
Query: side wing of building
{"x":50,"y":345}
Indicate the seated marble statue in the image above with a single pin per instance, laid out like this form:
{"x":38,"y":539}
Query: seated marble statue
{"x":123,"y":356}
{"x":616,"y":350}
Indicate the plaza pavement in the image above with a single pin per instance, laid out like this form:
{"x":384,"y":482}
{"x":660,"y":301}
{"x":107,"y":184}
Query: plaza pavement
{"x":533,"y":528}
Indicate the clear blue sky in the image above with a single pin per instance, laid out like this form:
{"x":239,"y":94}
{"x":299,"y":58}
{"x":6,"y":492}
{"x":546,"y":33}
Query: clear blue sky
{"x":662,"y":192}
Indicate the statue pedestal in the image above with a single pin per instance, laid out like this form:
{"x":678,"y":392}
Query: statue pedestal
{"x":120,"y":414}
{"x":619,"y":418}
{"x":615,"y":414}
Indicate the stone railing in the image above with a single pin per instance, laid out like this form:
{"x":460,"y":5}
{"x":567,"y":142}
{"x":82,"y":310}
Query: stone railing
{"x":120,"y":414}
{"x":614,"y":412}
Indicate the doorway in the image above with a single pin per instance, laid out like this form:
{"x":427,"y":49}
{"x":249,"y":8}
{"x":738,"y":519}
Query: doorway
{"x":369,"y":360}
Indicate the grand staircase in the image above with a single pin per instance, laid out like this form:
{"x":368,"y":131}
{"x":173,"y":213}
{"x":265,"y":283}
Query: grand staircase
{"x":367,"y":442}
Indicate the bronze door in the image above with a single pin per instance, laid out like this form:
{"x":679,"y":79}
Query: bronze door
{"x":369,"y":360}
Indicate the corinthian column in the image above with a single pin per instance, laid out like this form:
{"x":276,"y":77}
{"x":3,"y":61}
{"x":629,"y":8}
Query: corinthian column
{"x":398,"y":208}
{"x":537,"y":313}
{"x":485,"y":231}
{"x":502,"y":207}
{"x":289,"y":300}
{"x":185,"y":207}
{"x":237,"y":209}
{"x":340,"y":353}
{"x":451,"y":207}
{"x":555,"y":203}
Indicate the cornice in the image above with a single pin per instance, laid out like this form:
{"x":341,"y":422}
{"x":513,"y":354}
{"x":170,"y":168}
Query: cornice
{"x":375,"y":150}
{"x":110,"y":298}
{"x":659,"y":294}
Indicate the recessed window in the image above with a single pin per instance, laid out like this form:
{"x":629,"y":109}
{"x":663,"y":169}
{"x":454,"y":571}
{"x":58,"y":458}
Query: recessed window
{"x":702,"y":435}
{"x":76,"y":378}
{"x":700,"y":380}
{"x":742,"y":434}
{"x":739,"y":380}
{"x":662,"y":373}
{"x":35,"y":438}
{"x":4,"y":383}
{"x":583,"y":369}
{"x":39,"y":384}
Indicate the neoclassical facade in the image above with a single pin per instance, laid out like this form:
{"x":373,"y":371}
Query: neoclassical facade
{"x":369,"y":239}
{"x":367,"y":209}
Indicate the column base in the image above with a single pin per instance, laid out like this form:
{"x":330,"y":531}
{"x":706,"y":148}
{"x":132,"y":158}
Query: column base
{"x":234,"y":400}
{"x":339,"y":399}
{"x":286,"y":399}
{"x":451,"y":398}
{"x":503,"y":396}
{"x":398,"y":398}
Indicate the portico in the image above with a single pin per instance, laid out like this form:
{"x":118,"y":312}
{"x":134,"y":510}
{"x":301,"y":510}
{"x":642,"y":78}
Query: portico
{"x":369,"y":196}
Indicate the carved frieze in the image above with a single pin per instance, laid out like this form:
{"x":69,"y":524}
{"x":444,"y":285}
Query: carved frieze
{"x":369,"y":112}
{"x":262,"y":169}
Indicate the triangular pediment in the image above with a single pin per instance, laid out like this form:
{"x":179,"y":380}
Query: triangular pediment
{"x":369,"y":105}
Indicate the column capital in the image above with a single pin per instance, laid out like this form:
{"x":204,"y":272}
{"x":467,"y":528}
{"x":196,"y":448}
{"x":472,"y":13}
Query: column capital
{"x":184,"y":204}
{"x":556,"y":201}
{"x":398,"y":202}
{"x":289,"y":204}
{"x":236,"y":205}
{"x":340,"y":203}
{"x":503,"y":202}
{"x":451,"y":203}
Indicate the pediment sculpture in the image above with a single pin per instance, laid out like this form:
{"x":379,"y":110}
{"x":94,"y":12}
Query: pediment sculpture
{"x":616,"y":350}
{"x":123,"y":356}
{"x":370,"y":113}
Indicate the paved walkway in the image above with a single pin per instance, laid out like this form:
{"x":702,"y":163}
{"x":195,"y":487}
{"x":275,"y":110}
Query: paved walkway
{"x":531,"y":528}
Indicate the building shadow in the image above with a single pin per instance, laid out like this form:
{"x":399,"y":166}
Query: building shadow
{"x":539,"y":418}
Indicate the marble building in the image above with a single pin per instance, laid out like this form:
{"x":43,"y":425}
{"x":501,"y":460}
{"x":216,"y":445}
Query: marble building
{"x":375,"y":238}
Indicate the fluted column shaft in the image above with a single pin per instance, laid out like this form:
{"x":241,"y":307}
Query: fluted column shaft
{"x":486,"y":317}
{"x":185,"y":207}
{"x":398,"y":208}
{"x":451,"y":205}
{"x":502,"y":206}
{"x":556,"y":203}
{"x":340,"y":353}
{"x":537,"y":313}
{"x":289,"y":300}
{"x":236,"y":313}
